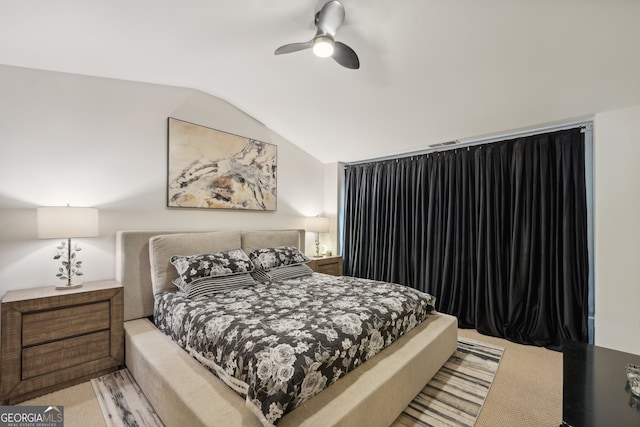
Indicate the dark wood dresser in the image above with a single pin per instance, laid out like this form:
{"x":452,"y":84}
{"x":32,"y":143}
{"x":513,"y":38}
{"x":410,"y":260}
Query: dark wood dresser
{"x":327,"y":265}
{"x":594,"y":387}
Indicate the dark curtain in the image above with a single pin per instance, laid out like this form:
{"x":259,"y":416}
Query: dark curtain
{"x":496,"y":232}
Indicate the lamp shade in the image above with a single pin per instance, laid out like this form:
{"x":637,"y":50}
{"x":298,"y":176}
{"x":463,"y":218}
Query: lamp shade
{"x":317,"y":224}
{"x":67,"y":222}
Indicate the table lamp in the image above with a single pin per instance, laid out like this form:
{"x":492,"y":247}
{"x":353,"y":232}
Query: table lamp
{"x":68,"y":222}
{"x":317,"y":224}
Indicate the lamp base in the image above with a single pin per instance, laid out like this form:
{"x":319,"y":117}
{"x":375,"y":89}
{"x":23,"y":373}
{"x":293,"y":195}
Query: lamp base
{"x":318,"y":245}
{"x":68,"y":287}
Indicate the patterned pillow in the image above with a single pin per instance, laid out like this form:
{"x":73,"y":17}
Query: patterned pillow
{"x":192,"y":267}
{"x":282,"y":273}
{"x":214,"y":284}
{"x":268,"y":258}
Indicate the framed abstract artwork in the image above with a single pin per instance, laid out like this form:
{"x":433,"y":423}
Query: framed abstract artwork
{"x":212,"y":169}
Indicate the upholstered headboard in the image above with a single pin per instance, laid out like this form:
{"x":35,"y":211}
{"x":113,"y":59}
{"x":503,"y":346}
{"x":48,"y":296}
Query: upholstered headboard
{"x":134,"y":266}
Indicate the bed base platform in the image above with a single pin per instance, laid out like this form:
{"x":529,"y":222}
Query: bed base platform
{"x":183,"y":392}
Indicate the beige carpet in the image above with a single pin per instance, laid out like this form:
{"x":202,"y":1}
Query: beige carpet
{"x":81,"y":407}
{"x":526,"y":391}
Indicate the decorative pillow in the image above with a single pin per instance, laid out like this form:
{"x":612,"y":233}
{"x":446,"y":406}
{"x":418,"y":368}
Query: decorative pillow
{"x":192,"y":267}
{"x":214,"y":284}
{"x":163,"y":246}
{"x":282,"y":273}
{"x":268,"y":258}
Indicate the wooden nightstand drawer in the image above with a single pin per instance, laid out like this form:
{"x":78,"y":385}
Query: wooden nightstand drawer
{"x":327,"y":265}
{"x":51,"y":357}
{"x":53,"y":325}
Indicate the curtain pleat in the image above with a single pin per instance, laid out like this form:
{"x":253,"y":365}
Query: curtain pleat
{"x":496,"y":232}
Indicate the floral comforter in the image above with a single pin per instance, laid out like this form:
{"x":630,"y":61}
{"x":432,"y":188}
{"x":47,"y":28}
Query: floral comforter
{"x":280,"y":343}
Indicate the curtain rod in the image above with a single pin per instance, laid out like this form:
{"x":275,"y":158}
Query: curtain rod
{"x":467,"y":142}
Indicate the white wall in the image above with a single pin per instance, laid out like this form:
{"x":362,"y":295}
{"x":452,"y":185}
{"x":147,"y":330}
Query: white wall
{"x":98,"y":142}
{"x":617,"y":229}
{"x":331,"y":194}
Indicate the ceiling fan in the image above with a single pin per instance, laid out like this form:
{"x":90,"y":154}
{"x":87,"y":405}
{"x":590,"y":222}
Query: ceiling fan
{"x":324,"y":45}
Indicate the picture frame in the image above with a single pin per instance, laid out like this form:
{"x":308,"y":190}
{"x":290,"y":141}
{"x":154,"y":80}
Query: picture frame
{"x":212,"y":169}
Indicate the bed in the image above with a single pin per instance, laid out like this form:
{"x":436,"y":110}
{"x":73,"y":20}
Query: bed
{"x":184,"y":392}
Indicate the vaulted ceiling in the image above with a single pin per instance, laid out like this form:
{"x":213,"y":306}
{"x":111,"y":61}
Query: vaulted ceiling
{"x":431,"y":70}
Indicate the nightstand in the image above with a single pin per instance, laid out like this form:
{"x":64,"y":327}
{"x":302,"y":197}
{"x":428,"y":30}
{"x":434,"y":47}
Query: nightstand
{"x":52,"y":339}
{"x":328,"y":265}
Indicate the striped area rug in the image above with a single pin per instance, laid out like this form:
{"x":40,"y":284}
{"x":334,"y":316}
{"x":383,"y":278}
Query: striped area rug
{"x":453,"y":397}
{"x":122,"y":402}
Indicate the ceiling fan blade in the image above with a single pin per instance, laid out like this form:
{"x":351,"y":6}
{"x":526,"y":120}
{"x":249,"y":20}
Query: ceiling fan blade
{"x":293,"y":47}
{"x":345,"y":56}
{"x":330,"y":18}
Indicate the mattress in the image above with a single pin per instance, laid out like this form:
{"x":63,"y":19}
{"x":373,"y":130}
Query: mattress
{"x":280,"y":343}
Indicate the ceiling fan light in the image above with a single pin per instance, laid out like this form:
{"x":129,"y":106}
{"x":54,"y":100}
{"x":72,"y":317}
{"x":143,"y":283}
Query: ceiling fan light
{"x":323,"y":47}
